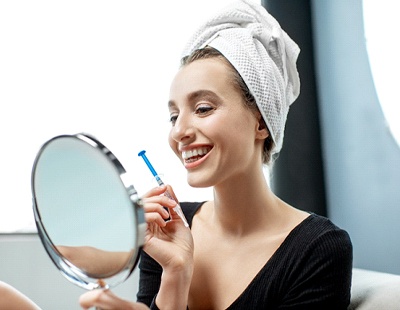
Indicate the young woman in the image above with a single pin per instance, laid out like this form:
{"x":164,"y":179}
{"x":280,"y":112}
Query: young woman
{"x":246,"y":249}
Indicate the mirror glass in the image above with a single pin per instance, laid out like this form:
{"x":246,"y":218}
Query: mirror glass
{"x":381,"y":25}
{"x":87,"y":214}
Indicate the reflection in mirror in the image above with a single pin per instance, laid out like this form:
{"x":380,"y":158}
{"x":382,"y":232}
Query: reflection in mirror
{"x":381,"y":25}
{"x":95,"y":262}
{"x":89,"y":220}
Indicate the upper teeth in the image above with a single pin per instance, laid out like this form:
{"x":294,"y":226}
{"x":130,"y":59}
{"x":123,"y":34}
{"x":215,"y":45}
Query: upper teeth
{"x":195,"y":152}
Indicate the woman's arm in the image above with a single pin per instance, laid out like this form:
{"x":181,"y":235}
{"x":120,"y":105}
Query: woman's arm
{"x":93,"y":261}
{"x":12,"y":299}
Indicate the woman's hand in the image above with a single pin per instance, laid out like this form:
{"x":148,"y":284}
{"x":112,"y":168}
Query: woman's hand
{"x":105,"y":299}
{"x":169,"y":243}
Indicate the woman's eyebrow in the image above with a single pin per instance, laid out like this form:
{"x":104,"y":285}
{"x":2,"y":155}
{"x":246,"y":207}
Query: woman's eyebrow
{"x":171,"y":104}
{"x":196,"y":95}
{"x":203,"y":93}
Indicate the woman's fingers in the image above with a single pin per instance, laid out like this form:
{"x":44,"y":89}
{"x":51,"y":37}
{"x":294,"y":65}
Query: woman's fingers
{"x":105,"y":299}
{"x":158,"y":204}
{"x":155,"y":203}
{"x":158,"y":190}
{"x":155,"y":218}
{"x":155,"y":209}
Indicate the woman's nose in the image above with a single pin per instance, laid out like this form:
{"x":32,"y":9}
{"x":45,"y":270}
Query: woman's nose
{"x":182,"y":129}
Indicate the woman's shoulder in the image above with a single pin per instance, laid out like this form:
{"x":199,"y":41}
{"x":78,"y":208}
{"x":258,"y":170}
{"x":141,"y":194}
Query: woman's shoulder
{"x":320,"y":224}
{"x":319,"y":231}
{"x":317,"y":225}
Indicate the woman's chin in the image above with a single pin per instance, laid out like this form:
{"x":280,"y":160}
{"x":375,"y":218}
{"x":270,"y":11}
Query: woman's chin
{"x":198,"y":182}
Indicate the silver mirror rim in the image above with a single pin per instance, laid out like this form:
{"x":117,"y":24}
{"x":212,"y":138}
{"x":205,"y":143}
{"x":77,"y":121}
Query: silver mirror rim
{"x":67,"y":269}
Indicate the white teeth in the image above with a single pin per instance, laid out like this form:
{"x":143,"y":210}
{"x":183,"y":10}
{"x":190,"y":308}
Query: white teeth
{"x":195,"y":152}
{"x":186,"y":154}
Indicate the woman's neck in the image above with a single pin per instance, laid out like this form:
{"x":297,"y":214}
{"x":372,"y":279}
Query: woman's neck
{"x":245,"y":204}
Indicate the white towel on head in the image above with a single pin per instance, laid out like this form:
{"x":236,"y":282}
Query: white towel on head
{"x":263,"y":54}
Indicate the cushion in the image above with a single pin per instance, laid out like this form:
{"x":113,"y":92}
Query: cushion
{"x":374,"y":290}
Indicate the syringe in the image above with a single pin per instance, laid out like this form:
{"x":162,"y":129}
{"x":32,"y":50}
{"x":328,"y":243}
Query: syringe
{"x":177,"y":208}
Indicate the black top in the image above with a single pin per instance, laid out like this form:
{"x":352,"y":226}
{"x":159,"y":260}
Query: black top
{"x":310,"y":270}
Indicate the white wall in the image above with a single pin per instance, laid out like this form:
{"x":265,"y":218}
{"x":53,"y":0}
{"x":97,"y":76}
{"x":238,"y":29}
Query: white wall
{"x":90,"y":66}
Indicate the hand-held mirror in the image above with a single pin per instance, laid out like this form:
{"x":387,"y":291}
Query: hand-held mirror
{"x":88,"y":214}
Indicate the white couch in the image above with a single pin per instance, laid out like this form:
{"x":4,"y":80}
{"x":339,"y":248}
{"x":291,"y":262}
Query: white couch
{"x":372,"y":290}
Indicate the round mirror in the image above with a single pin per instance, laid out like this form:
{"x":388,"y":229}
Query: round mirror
{"x":88,"y":216}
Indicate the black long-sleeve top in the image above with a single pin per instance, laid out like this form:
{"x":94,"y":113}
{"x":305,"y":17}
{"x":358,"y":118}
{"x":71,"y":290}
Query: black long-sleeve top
{"x":310,"y":270}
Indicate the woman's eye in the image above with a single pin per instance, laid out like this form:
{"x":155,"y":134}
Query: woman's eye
{"x":203,"y":109}
{"x":172,"y":119}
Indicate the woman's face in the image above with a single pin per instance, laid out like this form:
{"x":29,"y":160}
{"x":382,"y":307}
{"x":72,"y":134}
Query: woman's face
{"x":215,"y":136}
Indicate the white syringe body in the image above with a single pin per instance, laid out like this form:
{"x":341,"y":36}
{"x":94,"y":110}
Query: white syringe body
{"x":177,"y":208}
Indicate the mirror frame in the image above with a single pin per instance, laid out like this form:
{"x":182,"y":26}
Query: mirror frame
{"x":69,"y":270}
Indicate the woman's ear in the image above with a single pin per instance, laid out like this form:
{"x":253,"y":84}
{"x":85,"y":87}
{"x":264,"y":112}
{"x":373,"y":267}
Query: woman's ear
{"x":262,"y":131}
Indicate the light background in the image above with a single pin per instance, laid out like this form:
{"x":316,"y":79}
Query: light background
{"x":381,"y":24}
{"x":105,"y":68}
{"x":99,"y":67}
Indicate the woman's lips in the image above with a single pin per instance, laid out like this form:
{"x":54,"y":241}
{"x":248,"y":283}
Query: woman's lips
{"x":195,"y":156}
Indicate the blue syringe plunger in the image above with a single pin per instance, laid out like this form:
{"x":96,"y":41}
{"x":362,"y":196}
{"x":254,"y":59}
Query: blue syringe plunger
{"x":153,"y":171}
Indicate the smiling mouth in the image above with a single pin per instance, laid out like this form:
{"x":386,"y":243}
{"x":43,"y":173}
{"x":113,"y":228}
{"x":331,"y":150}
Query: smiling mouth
{"x":195,"y":154}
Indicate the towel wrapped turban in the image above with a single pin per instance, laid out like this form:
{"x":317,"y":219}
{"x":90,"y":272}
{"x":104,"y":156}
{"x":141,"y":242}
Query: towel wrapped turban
{"x":263,"y":54}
